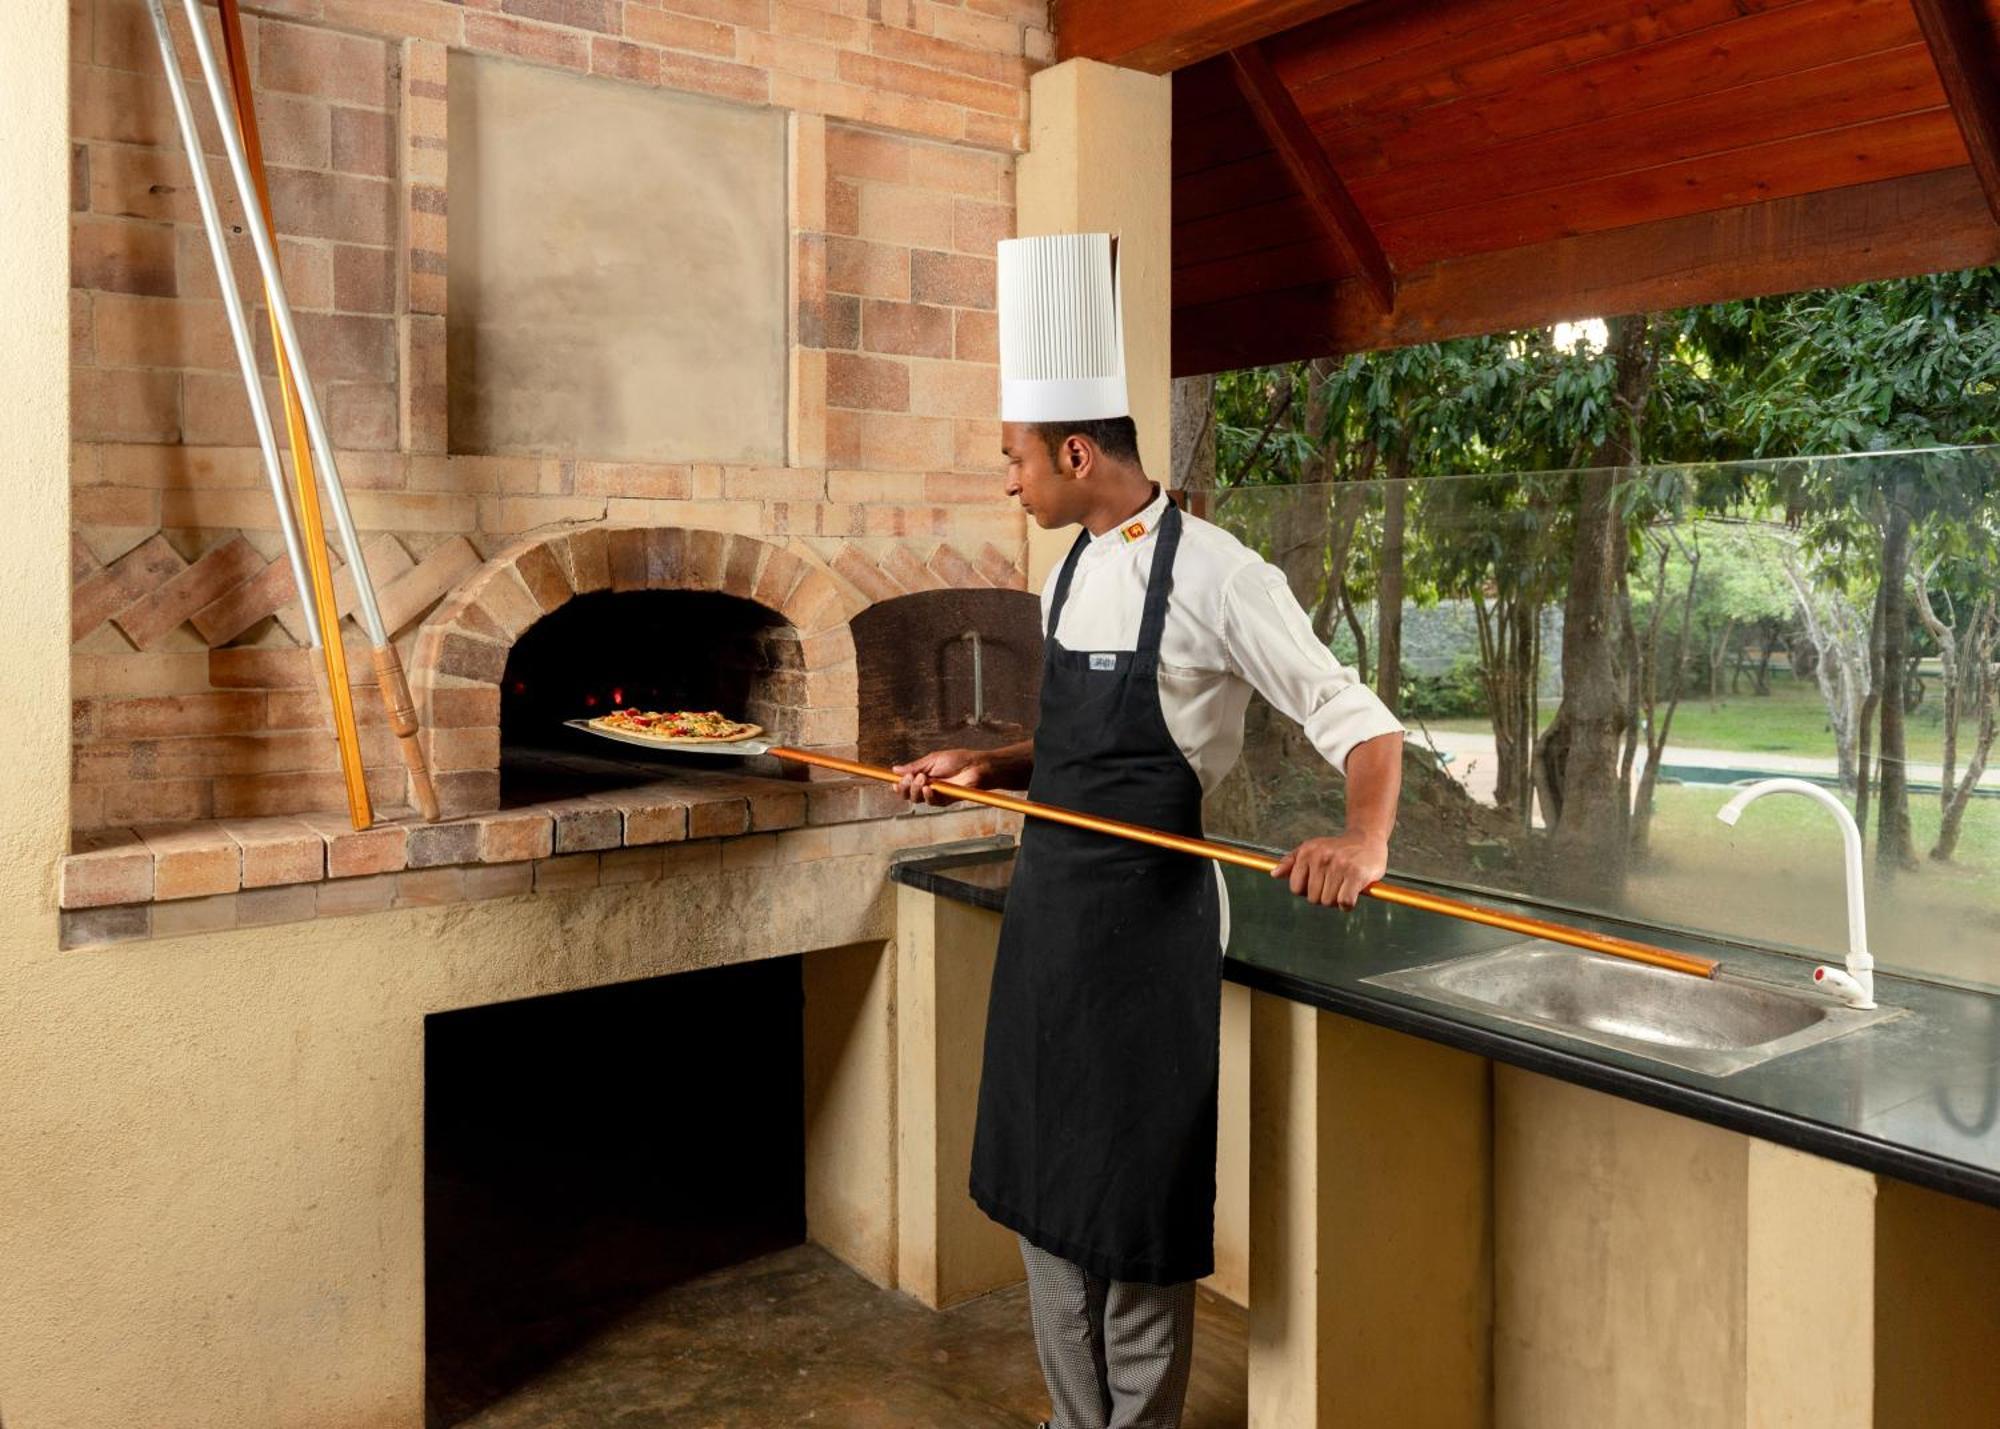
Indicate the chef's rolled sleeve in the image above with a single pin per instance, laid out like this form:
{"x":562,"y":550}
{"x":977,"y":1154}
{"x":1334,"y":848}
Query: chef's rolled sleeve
{"x":1270,"y":643}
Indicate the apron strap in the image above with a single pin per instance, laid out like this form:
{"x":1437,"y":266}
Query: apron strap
{"x":1160,"y":583}
{"x":1062,"y":582}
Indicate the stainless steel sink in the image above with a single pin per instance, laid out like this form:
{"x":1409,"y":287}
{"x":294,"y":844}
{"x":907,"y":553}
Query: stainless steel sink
{"x":1717,"y":1026}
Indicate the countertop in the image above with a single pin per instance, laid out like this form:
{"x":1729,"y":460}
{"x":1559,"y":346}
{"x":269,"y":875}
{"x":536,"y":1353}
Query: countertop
{"x":1916,"y":1097}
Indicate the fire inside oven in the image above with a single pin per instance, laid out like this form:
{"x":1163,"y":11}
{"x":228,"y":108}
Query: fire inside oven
{"x":649,"y":649}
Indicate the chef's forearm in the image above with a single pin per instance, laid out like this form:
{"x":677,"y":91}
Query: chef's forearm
{"x":1374,"y":785}
{"x":1011,"y":766}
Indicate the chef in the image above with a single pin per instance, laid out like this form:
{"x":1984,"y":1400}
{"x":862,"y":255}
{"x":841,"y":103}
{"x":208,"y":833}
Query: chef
{"x":1095,"y":1138}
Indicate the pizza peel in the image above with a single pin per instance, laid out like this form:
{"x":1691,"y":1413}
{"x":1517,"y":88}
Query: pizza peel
{"x":1201,"y":848}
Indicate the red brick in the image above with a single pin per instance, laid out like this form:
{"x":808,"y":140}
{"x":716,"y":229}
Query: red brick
{"x":910,"y":217}
{"x":754,"y":14}
{"x":344,"y":207}
{"x":122,"y":256}
{"x":863,"y":574}
{"x":515,"y":836}
{"x":129,"y":331}
{"x":953,"y":569}
{"x":543,"y":575}
{"x":109,"y":866}
{"x":499,"y":880}
{"x":817,"y":22}
{"x":910,"y":329}
{"x":679,"y":32}
{"x":434,"y":845}
{"x":652,"y":815}
{"x":583,"y":825}
{"x":463,"y":706}
{"x":364,"y":280}
{"x":1001,"y":100}
{"x":870,"y":383}
{"x":193,"y":861}
{"x":732,"y":81}
{"x":636,"y":64}
{"x":169,"y":715}
{"x":1000,"y":568}
{"x":871,"y":270}
{"x":296,"y":59}
{"x":430,"y":887}
{"x":598,"y":15}
{"x":229,"y":615}
{"x":975,"y":336}
{"x":406,"y":597}
{"x":278,"y":850}
{"x":154,"y":616}
{"x":908,"y":571}
{"x":951,"y":278}
{"x":865,"y":154}
{"x":978,"y":63}
{"x":125,"y":405}
{"x":139,"y":572}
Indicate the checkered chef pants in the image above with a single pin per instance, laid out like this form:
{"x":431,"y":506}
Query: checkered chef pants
{"x":1115,"y":1353}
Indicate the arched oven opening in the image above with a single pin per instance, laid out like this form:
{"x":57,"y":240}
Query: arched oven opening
{"x":642,"y":649}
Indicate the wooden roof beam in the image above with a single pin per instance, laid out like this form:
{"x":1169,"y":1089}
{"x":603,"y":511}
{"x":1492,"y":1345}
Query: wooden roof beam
{"x":1921,"y":223}
{"x":1962,"y":48}
{"x":1159,"y":36}
{"x":1304,"y":157}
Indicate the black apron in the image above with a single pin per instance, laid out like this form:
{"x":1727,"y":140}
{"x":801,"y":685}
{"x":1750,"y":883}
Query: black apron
{"x":1097,"y":1102}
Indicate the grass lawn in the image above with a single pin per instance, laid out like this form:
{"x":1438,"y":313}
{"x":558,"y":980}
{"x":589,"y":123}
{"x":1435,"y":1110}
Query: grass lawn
{"x":1778,"y":875}
{"x":1790,"y":720}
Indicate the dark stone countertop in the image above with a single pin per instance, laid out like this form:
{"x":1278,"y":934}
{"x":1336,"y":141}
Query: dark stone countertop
{"x":1916,"y":1097}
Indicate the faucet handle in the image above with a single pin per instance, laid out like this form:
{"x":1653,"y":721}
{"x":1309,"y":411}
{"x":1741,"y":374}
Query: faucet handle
{"x":1848,"y":989}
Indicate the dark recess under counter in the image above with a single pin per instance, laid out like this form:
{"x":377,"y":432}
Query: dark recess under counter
{"x":1917,"y":1097}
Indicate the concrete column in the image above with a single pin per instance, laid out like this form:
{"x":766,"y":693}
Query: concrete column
{"x":1100,"y":160}
{"x":850,"y":1092}
{"x":947,"y":1250}
{"x":1370,"y":1231}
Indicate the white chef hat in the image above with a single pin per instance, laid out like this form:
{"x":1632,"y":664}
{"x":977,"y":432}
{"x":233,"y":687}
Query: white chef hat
{"x":1062,"y":331}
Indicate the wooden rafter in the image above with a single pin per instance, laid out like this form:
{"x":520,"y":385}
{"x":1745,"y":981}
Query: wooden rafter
{"x":1920,"y":223}
{"x":1962,"y":48}
{"x":1278,"y":115}
{"x":1162,"y":35}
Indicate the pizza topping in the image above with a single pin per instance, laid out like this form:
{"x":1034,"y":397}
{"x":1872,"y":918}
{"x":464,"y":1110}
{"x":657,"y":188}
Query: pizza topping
{"x":676,"y":724}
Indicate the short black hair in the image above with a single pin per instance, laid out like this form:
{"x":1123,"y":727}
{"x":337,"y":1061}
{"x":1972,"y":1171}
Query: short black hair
{"x":1116,"y":437}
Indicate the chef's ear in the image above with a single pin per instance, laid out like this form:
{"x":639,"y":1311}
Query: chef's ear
{"x":1073,"y":449}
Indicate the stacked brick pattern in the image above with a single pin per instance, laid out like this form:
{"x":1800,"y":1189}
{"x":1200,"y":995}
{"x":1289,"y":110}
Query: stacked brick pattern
{"x":193,"y":694}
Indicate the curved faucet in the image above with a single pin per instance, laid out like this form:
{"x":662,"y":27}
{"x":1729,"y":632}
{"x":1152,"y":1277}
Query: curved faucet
{"x":1856,"y":986}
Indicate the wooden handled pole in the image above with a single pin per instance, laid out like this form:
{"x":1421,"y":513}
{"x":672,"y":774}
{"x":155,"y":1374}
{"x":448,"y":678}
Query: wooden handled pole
{"x":1264,"y":863}
{"x":346,"y":728}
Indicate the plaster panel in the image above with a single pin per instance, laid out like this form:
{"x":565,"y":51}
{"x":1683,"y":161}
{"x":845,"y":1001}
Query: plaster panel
{"x":617,"y":269}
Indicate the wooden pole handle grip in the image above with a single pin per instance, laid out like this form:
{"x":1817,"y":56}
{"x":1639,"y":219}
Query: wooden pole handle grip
{"x":402,"y":711}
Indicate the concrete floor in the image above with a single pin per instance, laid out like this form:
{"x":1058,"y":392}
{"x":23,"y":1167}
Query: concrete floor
{"x":795,"y":1337}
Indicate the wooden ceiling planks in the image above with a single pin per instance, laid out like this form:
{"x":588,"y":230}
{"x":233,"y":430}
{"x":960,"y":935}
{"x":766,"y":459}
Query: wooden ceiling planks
{"x":1162,"y":35}
{"x":1919,"y":223}
{"x":1462,"y":128}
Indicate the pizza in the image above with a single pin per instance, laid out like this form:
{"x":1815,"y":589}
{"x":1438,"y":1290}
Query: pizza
{"x":678,"y":726}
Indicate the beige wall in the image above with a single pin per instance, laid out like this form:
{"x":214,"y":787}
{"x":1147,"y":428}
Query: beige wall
{"x":1100,"y":158}
{"x":617,"y":269}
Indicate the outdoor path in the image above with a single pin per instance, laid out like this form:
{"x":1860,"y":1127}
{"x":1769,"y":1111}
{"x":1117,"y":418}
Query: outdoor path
{"x":1472,"y":760}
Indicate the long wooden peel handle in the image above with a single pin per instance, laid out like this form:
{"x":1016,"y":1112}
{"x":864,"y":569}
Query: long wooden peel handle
{"x":402,"y":710}
{"x":1264,"y":863}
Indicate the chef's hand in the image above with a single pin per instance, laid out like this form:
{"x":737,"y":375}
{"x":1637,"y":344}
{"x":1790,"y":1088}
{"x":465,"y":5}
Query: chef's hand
{"x":923,"y":779}
{"x":1333,"y":872}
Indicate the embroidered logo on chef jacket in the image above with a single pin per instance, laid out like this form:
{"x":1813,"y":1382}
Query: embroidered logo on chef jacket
{"x":1105,"y":661}
{"x":1133,"y":531}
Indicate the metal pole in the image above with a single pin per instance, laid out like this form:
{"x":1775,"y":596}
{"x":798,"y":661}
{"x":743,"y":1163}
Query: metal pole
{"x":239,"y":139}
{"x":239,"y":325}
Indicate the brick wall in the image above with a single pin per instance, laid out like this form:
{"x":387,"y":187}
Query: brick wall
{"x":193,"y":694}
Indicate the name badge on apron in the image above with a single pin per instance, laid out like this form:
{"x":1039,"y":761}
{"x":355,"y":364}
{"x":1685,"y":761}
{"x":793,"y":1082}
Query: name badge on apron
{"x":1104,"y":662}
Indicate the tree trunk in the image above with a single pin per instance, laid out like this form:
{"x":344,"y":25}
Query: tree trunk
{"x":1192,"y":425}
{"x":1389,"y":593}
{"x":1587,"y":805}
{"x":1894,"y":843}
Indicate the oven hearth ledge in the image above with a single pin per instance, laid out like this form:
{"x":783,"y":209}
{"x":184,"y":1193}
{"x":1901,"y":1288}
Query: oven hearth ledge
{"x":154,"y":881}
